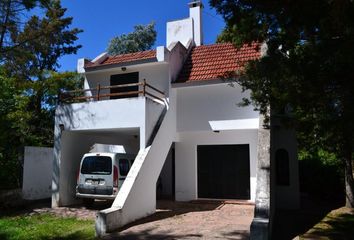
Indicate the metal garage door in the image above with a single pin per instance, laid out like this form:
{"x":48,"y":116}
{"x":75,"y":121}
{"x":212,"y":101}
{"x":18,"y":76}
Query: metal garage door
{"x":224,"y":171}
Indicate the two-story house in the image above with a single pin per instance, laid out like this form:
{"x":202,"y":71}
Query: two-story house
{"x":172,"y":106}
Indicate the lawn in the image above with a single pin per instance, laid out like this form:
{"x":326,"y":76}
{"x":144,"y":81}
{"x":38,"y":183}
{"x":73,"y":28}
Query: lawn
{"x":45,"y":226}
{"x":338,"y":224}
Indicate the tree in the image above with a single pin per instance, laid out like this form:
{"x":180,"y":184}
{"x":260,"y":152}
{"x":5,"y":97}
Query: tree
{"x":12,"y":18}
{"x":141,"y":39}
{"x":29,"y":82}
{"x":21,"y":126}
{"x":307,"y":67}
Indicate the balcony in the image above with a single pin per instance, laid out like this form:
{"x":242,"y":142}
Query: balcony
{"x":112,"y":92}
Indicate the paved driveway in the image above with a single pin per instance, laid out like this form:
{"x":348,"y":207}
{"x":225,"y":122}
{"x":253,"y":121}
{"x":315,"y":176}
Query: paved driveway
{"x":177,"y":220}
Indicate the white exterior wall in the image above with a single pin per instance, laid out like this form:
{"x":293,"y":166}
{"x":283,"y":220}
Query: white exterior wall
{"x":196,"y":14}
{"x":179,"y":31}
{"x":199,"y":107}
{"x":110,"y":114}
{"x":37,"y":173}
{"x":152,"y":114}
{"x":199,"y":110}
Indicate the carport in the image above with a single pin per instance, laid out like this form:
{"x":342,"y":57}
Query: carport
{"x":75,"y":143}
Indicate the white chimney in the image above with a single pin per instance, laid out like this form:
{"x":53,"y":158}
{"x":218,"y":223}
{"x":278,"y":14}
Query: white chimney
{"x":195,"y":12}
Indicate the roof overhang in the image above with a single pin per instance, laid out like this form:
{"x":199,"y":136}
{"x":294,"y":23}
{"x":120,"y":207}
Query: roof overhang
{"x":123,"y":64}
{"x":201,"y":83}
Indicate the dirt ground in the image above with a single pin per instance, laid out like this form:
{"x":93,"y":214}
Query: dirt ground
{"x":176,"y":220}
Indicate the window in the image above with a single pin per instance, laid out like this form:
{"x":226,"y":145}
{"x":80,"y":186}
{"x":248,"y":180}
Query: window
{"x":126,"y":78}
{"x":97,"y":165}
{"x":282,"y":167}
{"x":124,"y":167}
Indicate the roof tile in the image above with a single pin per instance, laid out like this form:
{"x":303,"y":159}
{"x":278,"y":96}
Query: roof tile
{"x":213,"y":61}
{"x":126,"y":58}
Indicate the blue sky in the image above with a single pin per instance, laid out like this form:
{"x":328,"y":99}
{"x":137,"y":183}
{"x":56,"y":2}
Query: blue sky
{"x":103,"y":20}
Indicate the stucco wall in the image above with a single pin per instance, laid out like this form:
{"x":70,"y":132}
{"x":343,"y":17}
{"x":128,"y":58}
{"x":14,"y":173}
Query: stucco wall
{"x":179,"y":30}
{"x":107,"y":114}
{"x":37,"y":173}
{"x":186,"y":158}
{"x":199,"y":106}
{"x":286,"y":197}
{"x":152,"y":112}
{"x":166,"y":176}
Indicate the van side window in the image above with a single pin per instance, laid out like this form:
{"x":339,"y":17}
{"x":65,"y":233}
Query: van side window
{"x":123,"y":167}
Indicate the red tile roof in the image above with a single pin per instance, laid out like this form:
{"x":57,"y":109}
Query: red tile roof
{"x":126,"y":58}
{"x":209,"y":62}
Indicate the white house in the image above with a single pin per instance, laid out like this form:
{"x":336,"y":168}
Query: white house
{"x":183,"y":120}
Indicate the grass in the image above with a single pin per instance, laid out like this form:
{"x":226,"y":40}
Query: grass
{"x":338,"y":224}
{"x":45,"y":227}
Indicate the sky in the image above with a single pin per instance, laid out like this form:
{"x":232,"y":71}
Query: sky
{"x":105,"y":19}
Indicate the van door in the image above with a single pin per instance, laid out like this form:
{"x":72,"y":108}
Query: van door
{"x":96,"y":175}
{"x":124,"y":167}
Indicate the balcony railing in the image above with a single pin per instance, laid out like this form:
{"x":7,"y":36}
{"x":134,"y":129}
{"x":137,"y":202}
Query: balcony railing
{"x":79,"y":95}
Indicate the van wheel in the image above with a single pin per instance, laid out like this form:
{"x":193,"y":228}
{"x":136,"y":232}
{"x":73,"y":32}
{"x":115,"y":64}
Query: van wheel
{"x":88,"y":202}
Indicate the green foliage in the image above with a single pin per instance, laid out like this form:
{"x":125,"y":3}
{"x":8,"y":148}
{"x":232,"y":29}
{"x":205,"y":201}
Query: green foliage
{"x":11,"y":19}
{"x":45,"y":226}
{"x":41,"y":43}
{"x":306,"y":69}
{"x":321,"y":174}
{"x":30,"y":47}
{"x":142,"y":38}
{"x":21,"y":125}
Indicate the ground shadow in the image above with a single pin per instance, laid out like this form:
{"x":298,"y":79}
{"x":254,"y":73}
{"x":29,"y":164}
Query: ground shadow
{"x":339,"y":227}
{"x":148,"y":234}
{"x":237,"y":235}
{"x":290,"y":223}
{"x":167,"y":209}
{"x":23,"y":207}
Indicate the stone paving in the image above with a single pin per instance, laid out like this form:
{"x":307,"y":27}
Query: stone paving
{"x":177,"y":220}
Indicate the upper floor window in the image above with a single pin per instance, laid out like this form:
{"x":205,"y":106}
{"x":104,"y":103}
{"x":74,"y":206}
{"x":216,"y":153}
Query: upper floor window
{"x":125,"y":78}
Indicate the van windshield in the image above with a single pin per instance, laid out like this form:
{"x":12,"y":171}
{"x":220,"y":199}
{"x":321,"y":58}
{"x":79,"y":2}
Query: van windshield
{"x":99,"y":165}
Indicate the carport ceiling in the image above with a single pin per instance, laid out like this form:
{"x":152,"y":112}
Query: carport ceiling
{"x":110,"y":132}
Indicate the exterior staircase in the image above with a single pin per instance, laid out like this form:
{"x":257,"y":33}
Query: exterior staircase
{"x":137,"y":197}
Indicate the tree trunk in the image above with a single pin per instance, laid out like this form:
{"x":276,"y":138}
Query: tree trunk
{"x":4,"y":25}
{"x":349,"y":181}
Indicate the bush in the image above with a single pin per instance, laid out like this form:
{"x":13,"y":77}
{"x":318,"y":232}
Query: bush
{"x":321,"y":174}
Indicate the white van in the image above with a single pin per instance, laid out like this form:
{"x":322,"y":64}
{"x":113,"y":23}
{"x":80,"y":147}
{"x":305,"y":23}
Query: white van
{"x":101,"y":174}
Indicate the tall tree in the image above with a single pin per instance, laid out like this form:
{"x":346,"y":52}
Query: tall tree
{"x":43,"y":41}
{"x":307,"y":67}
{"x":29,"y":59}
{"x":142,"y":38}
{"x":12,"y":19}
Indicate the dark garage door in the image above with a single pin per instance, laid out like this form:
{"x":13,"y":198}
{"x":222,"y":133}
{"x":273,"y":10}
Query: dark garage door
{"x":224,"y":171}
